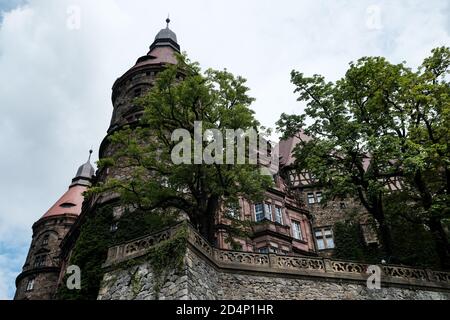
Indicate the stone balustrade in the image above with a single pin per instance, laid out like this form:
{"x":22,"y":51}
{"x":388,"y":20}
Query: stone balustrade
{"x":288,"y":265}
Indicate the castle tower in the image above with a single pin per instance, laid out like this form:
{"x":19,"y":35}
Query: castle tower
{"x":132,"y":84}
{"x":40,"y":272}
{"x":137,"y":80}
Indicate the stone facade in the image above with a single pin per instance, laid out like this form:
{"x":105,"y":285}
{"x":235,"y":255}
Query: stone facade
{"x":138,"y":283}
{"x":39,"y":277}
{"x":210,"y":273}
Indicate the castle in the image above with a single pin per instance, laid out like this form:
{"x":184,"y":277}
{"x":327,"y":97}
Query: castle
{"x":296,"y":224}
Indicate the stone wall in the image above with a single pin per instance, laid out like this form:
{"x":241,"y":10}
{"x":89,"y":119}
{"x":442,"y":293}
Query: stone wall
{"x":210,"y":273}
{"x":138,"y":283}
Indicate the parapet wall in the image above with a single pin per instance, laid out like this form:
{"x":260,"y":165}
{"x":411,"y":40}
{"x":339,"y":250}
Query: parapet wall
{"x":210,"y":273}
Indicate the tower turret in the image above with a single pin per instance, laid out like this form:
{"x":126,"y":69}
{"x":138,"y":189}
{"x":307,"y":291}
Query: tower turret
{"x":40,"y":272}
{"x":139,"y":78}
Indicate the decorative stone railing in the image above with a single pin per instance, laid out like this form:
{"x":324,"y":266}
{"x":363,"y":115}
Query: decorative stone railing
{"x":301,"y":266}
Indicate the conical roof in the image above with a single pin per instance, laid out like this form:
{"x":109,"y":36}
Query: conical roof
{"x":72,"y":200}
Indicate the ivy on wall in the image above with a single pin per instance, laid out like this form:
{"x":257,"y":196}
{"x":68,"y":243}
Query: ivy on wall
{"x":350,"y":243}
{"x":412,"y":245}
{"x":96,"y":236}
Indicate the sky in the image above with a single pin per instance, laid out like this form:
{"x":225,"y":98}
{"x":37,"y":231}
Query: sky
{"x":59,"y":59}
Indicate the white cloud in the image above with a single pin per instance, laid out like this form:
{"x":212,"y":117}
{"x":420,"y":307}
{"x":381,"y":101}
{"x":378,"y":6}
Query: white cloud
{"x":56,"y":82}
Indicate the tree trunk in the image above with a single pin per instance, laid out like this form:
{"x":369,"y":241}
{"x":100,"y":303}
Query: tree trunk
{"x":207,"y":220}
{"x":384,"y":230}
{"x":386,"y":239}
{"x":441,"y":242}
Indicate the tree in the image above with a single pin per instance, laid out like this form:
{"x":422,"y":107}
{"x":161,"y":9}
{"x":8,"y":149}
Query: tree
{"x":382,"y":128}
{"x":155,"y":183}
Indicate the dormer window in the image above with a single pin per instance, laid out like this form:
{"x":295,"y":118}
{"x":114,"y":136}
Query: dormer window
{"x":67,"y":205}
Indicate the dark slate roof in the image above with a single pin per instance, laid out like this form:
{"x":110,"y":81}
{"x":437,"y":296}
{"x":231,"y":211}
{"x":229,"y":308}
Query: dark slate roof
{"x":166,"y":38}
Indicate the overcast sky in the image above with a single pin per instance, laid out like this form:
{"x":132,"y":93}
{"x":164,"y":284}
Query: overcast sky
{"x":56,"y":76}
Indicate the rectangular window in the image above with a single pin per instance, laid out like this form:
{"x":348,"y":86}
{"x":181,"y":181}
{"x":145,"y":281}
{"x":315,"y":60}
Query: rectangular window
{"x":278,"y":215}
{"x":268,"y":211}
{"x":311,"y":199}
{"x":259,"y":212}
{"x":296,"y":230}
{"x":263,"y":211}
{"x":324,"y":238}
{"x":319,"y":197}
{"x":319,"y":240}
{"x":45,"y":240}
{"x":30,"y":285}
{"x":329,"y":238}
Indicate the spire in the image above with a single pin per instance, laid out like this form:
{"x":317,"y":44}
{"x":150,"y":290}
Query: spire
{"x":72,"y":200}
{"x":166,"y":38}
{"x":84,"y":173}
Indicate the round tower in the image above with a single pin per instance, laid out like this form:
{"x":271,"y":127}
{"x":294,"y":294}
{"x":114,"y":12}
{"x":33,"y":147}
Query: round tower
{"x":40,"y":272}
{"x":135,"y":82}
{"x":138,"y":80}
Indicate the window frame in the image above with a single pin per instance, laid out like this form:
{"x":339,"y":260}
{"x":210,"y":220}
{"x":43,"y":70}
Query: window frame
{"x":324,"y":238}
{"x":267,"y":211}
{"x":30,"y":285}
{"x":319,"y":196}
{"x":297,"y":230}
{"x":259,"y":213}
{"x":310,"y":196}
{"x":279,"y":214}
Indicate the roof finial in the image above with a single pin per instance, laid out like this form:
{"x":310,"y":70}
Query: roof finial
{"x":90,"y":153}
{"x":168,"y":21}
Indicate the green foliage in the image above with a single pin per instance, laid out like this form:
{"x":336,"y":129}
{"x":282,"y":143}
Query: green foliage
{"x":164,"y":258}
{"x":182,"y":95}
{"x":89,"y":253}
{"x":349,"y":242}
{"x":413,"y":245}
{"x":96,"y":237}
{"x":380,"y":124}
